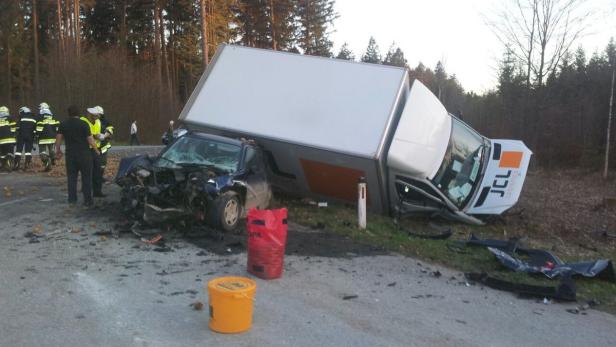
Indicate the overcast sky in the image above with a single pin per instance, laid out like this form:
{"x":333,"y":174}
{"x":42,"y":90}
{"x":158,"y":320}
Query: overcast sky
{"x":449,"y":30}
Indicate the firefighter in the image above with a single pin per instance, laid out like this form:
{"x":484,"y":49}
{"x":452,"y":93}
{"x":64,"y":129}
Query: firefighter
{"x":7,"y":139}
{"x":26,"y":131}
{"x":46,"y":130}
{"x":94,"y":123}
{"x":105,"y":144}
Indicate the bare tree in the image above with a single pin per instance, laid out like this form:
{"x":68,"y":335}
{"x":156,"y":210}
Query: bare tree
{"x":540,"y":32}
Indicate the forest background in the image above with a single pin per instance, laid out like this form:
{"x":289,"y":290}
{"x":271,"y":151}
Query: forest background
{"x":140,"y":60}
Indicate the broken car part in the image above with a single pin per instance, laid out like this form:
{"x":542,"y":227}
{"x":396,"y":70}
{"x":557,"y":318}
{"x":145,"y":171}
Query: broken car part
{"x":564,"y":291}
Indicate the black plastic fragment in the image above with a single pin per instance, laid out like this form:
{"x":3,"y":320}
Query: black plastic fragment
{"x":564,"y":291}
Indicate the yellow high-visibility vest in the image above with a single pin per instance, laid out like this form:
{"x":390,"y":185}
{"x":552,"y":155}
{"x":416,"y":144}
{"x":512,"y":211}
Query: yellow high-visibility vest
{"x":95,"y":129}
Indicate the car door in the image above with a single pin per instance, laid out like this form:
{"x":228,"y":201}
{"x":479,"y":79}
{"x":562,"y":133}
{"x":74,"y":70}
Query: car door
{"x":258,"y":192}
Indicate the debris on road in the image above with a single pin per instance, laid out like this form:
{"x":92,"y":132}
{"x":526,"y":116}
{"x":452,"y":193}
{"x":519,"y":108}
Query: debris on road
{"x":197,"y":305}
{"x":544,"y":262}
{"x":153,"y":240}
{"x":349,"y":297}
{"x":564,"y":291}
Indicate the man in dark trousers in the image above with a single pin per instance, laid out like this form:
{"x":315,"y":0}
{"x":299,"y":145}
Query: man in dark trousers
{"x":79,"y":147}
{"x":26,"y":131}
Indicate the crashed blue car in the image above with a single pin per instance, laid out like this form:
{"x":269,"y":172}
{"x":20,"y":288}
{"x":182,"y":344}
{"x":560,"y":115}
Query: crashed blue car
{"x":200,"y":178}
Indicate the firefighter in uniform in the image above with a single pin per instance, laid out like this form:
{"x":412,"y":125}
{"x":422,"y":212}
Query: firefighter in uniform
{"x":105,"y":144}
{"x":93,"y":121}
{"x":46,"y":130}
{"x":26,"y":131}
{"x":7,"y":139}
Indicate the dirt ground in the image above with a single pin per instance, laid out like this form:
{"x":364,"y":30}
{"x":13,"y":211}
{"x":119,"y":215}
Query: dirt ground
{"x":567,"y":208}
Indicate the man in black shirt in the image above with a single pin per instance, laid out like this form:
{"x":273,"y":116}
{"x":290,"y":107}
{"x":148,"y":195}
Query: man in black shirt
{"x":79,"y":144}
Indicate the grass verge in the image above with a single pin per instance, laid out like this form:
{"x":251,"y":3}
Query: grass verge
{"x":382,"y":232}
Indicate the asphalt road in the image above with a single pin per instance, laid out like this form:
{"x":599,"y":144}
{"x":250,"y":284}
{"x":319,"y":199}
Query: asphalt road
{"x":74,"y":288}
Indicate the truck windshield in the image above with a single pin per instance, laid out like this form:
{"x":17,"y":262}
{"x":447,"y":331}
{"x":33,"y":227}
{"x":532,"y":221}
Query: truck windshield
{"x":195,"y":151}
{"x":459,"y":173}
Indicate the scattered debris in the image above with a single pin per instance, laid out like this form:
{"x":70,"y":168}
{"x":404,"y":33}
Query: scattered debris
{"x":442,"y":233}
{"x":349,"y":297}
{"x":163,"y":249}
{"x":437,"y":274}
{"x":197,"y":305}
{"x":322,"y":204}
{"x":153,"y":240}
{"x":103,"y":233}
{"x":564,"y":291}
{"x":392,"y":284}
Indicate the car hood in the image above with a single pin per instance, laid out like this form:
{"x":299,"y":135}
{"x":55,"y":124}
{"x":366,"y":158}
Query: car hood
{"x":503,"y":178}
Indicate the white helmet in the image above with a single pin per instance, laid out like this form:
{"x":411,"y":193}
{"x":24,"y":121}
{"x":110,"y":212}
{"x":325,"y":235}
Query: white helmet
{"x":43,"y":106}
{"x":4,"y":111}
{"x":100,"y":110}
{"x":24,"y":109}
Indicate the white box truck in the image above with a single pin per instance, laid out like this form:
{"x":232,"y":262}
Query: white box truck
{"x":324,"y":123}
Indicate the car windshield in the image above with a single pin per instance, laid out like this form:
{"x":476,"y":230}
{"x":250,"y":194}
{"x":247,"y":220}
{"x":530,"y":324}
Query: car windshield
{"x":459,"y":173}
{"x":195,"y":151}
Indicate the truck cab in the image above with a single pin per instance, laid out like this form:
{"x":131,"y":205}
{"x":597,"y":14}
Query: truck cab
{"x":440,"y":164}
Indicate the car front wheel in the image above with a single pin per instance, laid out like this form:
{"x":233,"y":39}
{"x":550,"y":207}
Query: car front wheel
{"x":227,"y":211}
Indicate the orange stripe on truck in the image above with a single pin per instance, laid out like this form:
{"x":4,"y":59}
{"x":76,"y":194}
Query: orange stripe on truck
{"x":331,"y":180}
{"x":511,"y":160}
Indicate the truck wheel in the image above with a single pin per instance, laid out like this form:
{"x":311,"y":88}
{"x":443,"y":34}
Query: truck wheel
{"x":227,"y":211}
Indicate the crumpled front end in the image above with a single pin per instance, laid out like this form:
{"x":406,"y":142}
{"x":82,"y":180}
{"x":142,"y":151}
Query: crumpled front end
{"x":160,"y":195}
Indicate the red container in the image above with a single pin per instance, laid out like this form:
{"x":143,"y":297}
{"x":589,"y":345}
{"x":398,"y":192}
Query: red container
{"x":267,"y":239}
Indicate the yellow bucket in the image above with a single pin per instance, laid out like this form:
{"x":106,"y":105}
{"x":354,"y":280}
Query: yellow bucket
{"x":231,"y":304}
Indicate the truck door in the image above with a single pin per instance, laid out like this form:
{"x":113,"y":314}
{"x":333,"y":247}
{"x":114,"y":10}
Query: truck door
{"x":258,"y":191}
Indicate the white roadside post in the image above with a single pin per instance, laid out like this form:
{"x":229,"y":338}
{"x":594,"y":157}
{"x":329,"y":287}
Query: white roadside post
{"x":361,"y":202}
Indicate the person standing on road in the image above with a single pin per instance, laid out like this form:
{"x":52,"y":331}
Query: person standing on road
{"x":26,"y":132}
{"x":7,"y":139}
{"x":94,"y":123}
{"x":79,"y":144}
{"x":133,"y":134}
{"x":46,"y":130}
{"x":107,"y":131}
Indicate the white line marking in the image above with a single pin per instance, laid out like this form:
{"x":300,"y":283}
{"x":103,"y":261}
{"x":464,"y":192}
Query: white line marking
{"x":12,"y":202}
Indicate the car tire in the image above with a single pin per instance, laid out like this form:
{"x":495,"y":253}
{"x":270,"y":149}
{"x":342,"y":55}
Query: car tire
{"x":227,"y":211}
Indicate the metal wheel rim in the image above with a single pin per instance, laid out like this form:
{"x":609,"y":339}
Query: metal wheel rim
{"x":231,"y":212}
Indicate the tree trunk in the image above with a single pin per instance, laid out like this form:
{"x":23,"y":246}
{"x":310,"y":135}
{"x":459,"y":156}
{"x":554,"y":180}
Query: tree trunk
{"x":60,"y":30}
{"x":77,"y":28}
{"x":68,"y":18}
{"x":609,"y":127}
{"x":123,"y":31}
{"x":273,"y":24}
{"x":36,"y":50}
{"x":204,"y":35}
{"x":157,"y":41}
{"x":9,"y":85}
{"x":165,"y":60}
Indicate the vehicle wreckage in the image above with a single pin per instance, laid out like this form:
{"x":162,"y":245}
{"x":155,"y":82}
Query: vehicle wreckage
{"x":200,"y":178}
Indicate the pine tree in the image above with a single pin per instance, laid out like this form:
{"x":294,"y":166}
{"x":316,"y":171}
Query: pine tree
{"x":345,"y":52}
{"x":395,"y":57}
{"x":372,"y":55}
{"x":314,"y":18}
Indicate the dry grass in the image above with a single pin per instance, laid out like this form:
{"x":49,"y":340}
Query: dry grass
{"x":59,"y":170}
